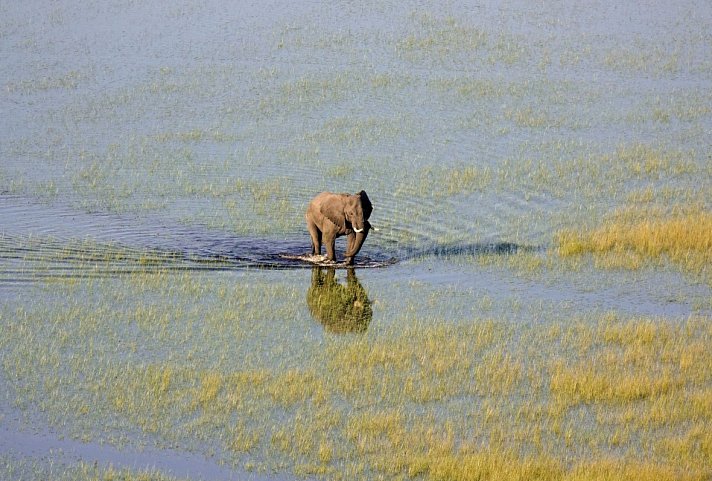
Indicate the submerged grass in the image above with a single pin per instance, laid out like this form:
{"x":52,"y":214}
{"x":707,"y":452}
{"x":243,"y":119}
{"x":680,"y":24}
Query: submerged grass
{"x":441,"y":40}
{"x":70,"y":80}
{"x":31,"y":469}
{"x":194,"y":361}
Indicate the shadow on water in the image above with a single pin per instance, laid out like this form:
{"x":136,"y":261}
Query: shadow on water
{"x":292,"y":253}
{"x":339,"y":307}
{"x":462,"y":249}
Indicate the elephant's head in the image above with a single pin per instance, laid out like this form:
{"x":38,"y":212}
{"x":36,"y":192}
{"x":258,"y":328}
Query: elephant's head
{"x":340,"y":308}
{"x":350,"y":211}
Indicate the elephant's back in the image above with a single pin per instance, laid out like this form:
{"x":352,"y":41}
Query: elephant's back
{"x":323,"y":196}
{"x":319,"y":199}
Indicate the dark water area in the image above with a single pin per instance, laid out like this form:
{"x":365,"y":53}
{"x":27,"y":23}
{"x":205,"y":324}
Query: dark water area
{"x":61,"y":233}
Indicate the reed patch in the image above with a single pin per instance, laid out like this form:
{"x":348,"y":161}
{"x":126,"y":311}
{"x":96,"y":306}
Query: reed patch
{"x":684,"y":238}
{"x":411,"y":397}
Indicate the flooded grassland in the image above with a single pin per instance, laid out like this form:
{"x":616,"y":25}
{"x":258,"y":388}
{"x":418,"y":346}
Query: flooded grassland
{"x":541,"y":177}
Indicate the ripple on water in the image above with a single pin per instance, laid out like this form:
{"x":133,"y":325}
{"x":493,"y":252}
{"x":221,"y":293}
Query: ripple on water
{"x":41,"y":240}
{"x":49,"y":241}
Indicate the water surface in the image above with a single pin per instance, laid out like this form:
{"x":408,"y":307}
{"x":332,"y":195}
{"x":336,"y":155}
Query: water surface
{"x":155,"y":165}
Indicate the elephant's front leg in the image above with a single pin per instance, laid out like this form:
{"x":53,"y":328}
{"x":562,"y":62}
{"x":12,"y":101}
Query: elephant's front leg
{"x":350,"y":244}
{"x":330,"y":244}
{"x":350,"y":240}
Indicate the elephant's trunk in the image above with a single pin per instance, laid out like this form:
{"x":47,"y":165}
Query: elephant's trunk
{"x":359,"y":238}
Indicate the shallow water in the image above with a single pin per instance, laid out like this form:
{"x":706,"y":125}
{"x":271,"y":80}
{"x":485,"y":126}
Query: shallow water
{"x":156,"y":162}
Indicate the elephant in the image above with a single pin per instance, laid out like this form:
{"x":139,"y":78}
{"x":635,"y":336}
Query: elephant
{"x":339,"y":308}
{"x":332,"y":215}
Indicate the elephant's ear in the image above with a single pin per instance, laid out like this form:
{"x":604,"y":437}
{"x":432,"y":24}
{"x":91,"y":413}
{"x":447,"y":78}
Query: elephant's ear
{"x":365,"y":204}
{"x":334,"y":211}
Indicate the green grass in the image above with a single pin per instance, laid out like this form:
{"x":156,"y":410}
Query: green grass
{"x":305,"y":127}
{"x":194,"y":361}
{"x":441,"y":40}
{"x":31,"y":469}
{"x":71,"y":80}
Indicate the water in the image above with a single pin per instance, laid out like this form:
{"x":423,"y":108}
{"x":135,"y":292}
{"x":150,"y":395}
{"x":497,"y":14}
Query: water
{"x":158,"y":159}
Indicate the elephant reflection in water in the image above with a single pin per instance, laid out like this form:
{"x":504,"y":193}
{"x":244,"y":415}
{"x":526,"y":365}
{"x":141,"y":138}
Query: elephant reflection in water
{"x":340,"y":308}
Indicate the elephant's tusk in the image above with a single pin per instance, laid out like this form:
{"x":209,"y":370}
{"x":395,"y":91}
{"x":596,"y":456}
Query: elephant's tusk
{"x":358,"y":231}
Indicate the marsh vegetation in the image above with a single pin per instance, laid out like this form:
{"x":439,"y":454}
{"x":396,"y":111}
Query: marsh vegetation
{"x":542,"y":174}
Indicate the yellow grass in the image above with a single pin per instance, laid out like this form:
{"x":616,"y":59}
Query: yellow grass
{"x":588,"y":383}
{"x":685,"y":239}
{"x":602,"y":398}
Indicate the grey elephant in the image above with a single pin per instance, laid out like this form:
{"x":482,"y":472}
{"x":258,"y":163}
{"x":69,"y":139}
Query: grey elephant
{"x":332,"y":215}
{"x":339,"y":308}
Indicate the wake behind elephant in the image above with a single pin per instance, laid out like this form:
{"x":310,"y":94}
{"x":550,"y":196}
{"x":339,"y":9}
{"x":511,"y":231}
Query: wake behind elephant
{"x":332,"y":215}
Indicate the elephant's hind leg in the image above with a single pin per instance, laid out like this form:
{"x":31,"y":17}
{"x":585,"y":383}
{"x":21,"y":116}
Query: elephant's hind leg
{"x":315,"y":234}
{"x":330,"y":244}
